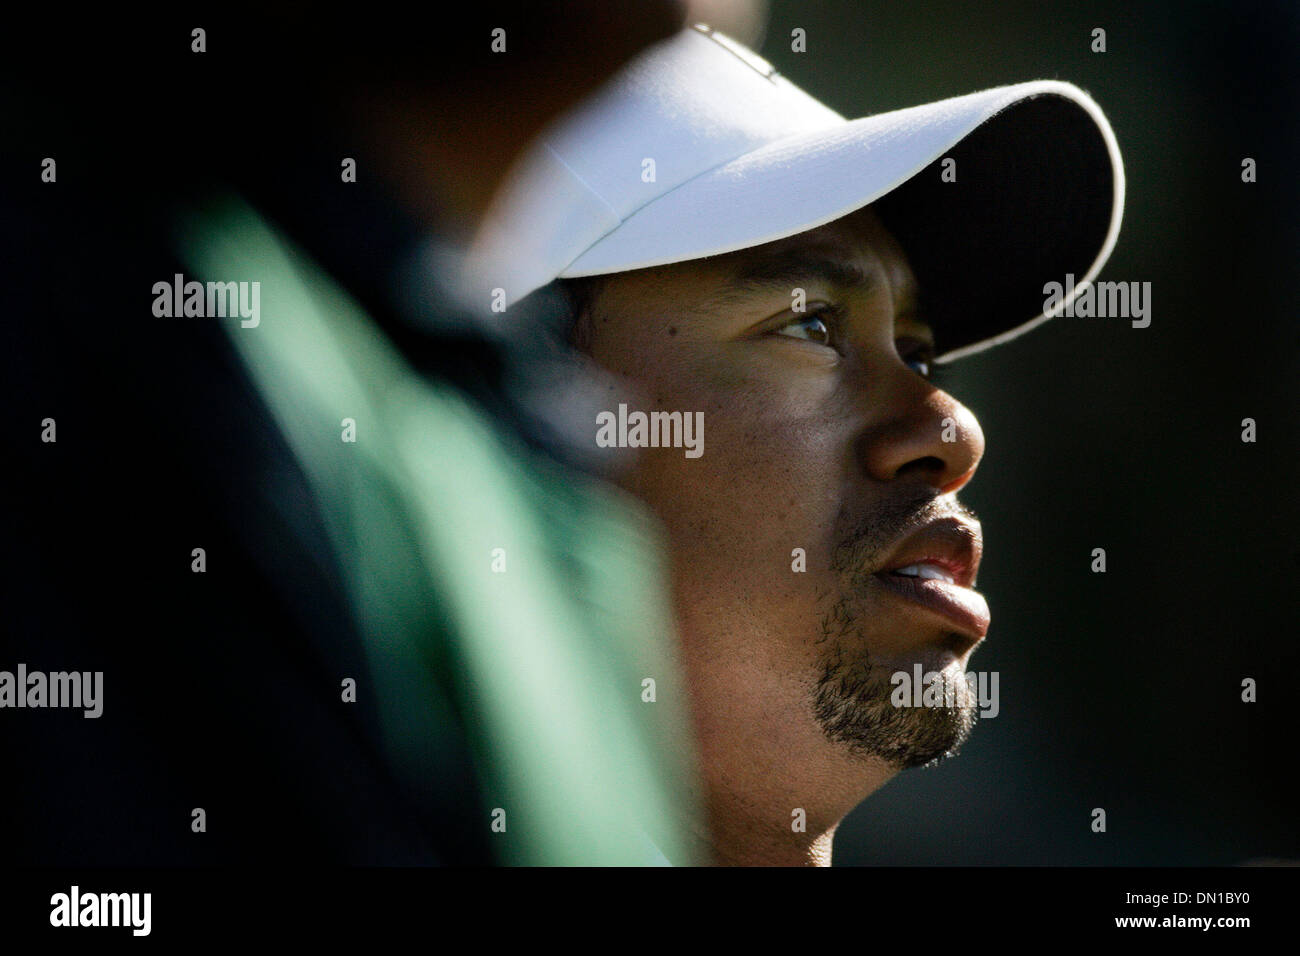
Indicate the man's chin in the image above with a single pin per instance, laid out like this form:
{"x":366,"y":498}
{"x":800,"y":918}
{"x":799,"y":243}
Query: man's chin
{"x":941,"y":736}
{"x":906,"y":715}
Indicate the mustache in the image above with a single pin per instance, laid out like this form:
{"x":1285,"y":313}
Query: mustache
{"x":865,"y":544}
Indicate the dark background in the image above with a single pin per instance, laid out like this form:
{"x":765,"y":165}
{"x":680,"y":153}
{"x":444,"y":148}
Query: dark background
{"x":1119,"y":690}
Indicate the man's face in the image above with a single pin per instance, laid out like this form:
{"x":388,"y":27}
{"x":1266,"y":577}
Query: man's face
{"x":824,"y":439}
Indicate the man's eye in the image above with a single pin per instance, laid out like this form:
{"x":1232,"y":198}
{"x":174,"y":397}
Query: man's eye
{"x":816,"y":327}
{"x":919,"y":359}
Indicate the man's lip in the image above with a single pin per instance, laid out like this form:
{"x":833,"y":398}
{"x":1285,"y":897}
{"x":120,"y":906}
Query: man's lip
{"x":962,"y":608}
{"x":954,"y":544}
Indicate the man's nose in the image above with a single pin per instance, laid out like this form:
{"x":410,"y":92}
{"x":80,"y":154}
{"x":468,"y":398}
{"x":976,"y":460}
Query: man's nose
{"x":923,"y":432}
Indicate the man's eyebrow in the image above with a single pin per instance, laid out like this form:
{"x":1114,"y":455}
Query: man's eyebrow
{"x":785,"y":271}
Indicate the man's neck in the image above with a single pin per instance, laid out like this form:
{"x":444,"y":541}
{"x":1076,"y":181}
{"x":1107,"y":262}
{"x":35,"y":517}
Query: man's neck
{"x":750,"y":845}
{"x":774,"y":790}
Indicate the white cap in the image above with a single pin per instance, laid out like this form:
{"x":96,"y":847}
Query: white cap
{"x":698,"y":147}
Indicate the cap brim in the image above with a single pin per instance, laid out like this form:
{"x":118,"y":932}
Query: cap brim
{"x":1038,"y":194}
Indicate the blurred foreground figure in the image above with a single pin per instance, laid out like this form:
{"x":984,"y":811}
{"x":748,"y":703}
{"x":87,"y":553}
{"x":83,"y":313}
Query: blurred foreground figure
{"x":356,"y":594}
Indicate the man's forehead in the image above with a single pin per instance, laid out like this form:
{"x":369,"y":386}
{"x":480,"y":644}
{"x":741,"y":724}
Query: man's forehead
{"x":853,"y":251}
